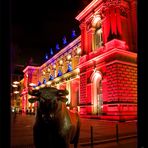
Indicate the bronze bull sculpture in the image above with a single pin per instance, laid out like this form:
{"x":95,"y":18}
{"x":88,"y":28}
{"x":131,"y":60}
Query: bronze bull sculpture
{"x":55,"y":126}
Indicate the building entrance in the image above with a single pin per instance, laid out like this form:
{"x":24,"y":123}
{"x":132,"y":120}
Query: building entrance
{"x":96,"y":92}
{"x":99,"y":97}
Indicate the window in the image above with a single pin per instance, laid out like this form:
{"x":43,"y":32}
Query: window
{"x":98,"y":38}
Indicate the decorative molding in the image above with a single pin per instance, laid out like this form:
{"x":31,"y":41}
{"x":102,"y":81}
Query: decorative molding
{"x":114,"y":4}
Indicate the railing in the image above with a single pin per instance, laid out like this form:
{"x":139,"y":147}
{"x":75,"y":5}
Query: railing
{"x":111,"y":132}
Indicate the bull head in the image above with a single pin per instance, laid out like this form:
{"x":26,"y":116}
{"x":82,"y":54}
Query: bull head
{"x":48,"y":98}
{"x":47,"y":93}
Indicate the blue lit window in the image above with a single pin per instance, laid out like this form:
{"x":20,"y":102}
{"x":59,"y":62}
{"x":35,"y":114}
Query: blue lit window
{"x":34,"y":86}
{"x":69,"y":68}
{"x":59,"y":73}
{"x":44,"y":81}
{"x":51,"y":77}
{"x":39,"y":83}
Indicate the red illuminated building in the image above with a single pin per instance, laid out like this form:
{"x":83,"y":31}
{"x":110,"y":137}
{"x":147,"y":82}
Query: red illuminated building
{"x":98,"y":68}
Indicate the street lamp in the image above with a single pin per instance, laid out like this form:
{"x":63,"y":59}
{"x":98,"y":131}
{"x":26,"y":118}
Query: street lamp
{"x":16,"y":82}
{"x":15,"y":94}
{"x":14,"y":85}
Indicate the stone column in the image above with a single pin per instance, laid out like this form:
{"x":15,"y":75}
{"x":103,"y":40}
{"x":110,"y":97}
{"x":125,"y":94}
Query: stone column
{"x":83,"y":38}
{"x":133,"y":6}
{"x":91,"y":33}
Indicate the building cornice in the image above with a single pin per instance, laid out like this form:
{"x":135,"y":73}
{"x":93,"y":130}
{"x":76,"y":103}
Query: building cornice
{"x":88,"y":9}
{"x":107,"y":54}
{"x":62,"y":51}
{"x":30,"y":67}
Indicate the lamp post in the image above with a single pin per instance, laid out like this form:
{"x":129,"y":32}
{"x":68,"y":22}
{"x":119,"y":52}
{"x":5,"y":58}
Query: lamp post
{"x":15,"y":95}
{"x":32,"y":107}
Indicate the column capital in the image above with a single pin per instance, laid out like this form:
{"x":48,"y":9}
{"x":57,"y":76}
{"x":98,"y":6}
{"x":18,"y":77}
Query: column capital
{"x":82,"y":25}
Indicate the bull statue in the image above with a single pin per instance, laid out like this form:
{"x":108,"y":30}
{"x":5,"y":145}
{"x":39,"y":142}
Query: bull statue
{"x":55,"y":126}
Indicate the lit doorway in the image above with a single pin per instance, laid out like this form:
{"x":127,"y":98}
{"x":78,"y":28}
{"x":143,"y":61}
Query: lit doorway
{"x":96,"y":95}
{"x":99,"y":97}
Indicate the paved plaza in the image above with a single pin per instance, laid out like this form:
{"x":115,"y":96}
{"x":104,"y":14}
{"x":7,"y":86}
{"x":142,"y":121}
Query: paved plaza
{"x":94,"y":133}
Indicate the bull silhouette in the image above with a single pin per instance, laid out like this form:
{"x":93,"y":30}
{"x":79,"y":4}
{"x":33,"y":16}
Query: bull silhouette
{"x":55,"y":126}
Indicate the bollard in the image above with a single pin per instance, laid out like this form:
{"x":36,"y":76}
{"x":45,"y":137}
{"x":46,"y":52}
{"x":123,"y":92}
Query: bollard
{"x":91,"y":136}
{"x":117,"y":133}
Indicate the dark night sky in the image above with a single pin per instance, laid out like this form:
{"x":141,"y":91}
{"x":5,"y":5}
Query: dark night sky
{"x":36,"y":26}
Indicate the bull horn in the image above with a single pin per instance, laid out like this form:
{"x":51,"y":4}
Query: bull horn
{"x":34,"y":93}
{"x":63,"y":99}
{"x":62,"y":92}
{"x":33,"y":99}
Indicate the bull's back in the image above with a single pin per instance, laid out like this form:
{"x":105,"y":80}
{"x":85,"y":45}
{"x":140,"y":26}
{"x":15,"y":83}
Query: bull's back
{"x":75,"y":125}
{"x":74,"y":117}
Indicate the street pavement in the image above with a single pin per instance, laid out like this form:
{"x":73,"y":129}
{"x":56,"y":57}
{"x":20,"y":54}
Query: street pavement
{"x":95,"y":133}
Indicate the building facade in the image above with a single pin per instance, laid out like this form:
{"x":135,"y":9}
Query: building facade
{"x":98,"y":68}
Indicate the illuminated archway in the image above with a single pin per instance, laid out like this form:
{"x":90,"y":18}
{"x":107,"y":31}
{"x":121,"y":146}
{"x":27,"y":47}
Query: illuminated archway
{"x":96,"y":78}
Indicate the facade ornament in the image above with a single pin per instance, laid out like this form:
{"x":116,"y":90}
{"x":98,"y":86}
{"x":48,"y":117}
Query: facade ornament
{"x":112,"y":11}
{"x":109,"y":3}
{"x":123,"y":11}
{"x":61,"y":62}
{"x":48,"y":70}
{"x":96,"y":21}
{"x":68,"y":57}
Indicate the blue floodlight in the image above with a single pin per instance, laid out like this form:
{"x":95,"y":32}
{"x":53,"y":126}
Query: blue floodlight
{"x":73,"y":33}
{"x":51,"y":51}
{"x":64,"y":40}
{"x":46,"y":56}
{"x":57,"y":46}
